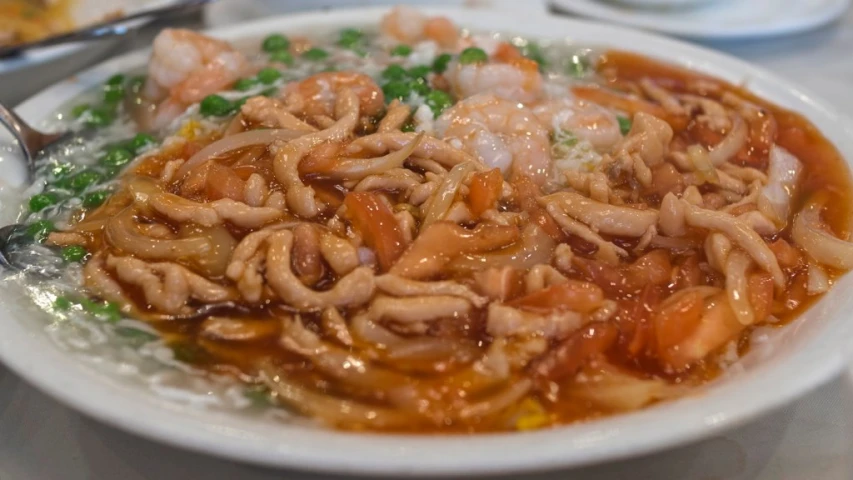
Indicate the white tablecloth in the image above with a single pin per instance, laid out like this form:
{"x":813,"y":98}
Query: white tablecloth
{"x":809,"y":439}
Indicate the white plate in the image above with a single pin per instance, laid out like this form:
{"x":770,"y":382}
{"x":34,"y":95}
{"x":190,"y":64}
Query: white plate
{"x":800,"y":357}
{"x":718,"y":19}
{"x":85,"y":12}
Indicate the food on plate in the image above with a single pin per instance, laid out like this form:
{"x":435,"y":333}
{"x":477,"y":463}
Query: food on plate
{"x":423,"y":229}
{"x":23,"y":21}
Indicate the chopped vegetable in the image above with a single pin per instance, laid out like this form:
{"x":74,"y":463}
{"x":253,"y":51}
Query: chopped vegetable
{"x":420,"y":87}
{"x":259,"y":395}
{"x":38,"y":231}
{"x":533,"y":51}
{"x":73,"y":253}
{"x":95,"y":199}
{"x":116,"y":157}
{"x":41,"y":201}
{"x":116,"y":80}
{"x":473,"y":55}
{"x":401,"y":50}
{"x":97,"y":117}
{"x":268,"y":75}
{"x":141,"y":141}
{"x":485,"y":190}
{"x":108,"y":311}
{"x":377,"y":225}
{"x":245,"y":84}
{"x":62,"y":304}
{"x":397,"y":89}
{"x":79,"y":110}
{"x":135,"y":336}
{"x":350,"y":38}
{"x":438,"y":101}
{"x":215,"y":106}
{"x":84,"y":180}
{"x":420,"y":71}
{"x":275,"y":43}
{"x":395,"y":72}
{"x":282,"y":56}
{"x":315,"y":54}
{"x":439,"y":65}
{"x":624,"y":124}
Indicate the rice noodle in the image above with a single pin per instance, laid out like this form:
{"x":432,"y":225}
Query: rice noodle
{"x":442,"y":199}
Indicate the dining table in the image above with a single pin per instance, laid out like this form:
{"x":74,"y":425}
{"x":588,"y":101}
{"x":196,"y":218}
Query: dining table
{"x":811,"y":438}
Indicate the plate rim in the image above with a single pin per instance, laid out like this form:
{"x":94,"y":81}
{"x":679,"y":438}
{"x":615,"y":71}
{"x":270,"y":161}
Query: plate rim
{"x":603,"y":12}
{"x":568,"y":447}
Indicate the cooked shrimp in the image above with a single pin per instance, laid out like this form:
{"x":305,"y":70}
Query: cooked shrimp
{"x":501,"y":133}
{"x":316,"y":95}
{"x":586,"y":121}
{"x":518,"y":80}
{"x":185,"y":67}
{"x":407,"y":25}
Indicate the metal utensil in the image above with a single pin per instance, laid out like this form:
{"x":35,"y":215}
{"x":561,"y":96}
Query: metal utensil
{"x":31,"y":140}
{"x":109,"y":28}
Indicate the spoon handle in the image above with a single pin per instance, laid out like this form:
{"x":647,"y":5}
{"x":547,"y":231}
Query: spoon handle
{"x":28,"y":138}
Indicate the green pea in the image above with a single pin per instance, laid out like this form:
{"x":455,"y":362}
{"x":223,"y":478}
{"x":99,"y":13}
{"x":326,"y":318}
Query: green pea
{"x":73,"y":253}
{"x":245,"y":84}
{"x":401,"y":51}
{"x":282,"y":56}
{"x":275,"y":43}
{"x":350,"y":38}
{"x":258,"y":395}
{"x":408,"y":127}
{"x":140,"y":142}
{"x":98,"y":117}
{"x":38,"y":231}
{"x":215,"y":106}
{"x":420,"y":71}
{"x":79,"y":110}
{"x":84,"y":180}
{"x":394,"y":72}
{"x":95,"y":199}
{"x":438,"y":101}
{"x":268,"y":75}
{"x":397,"y":89}
{"x":116,"y":80}
{"x":41,"y":201}
{"x":315,"y":54}
{"x":116,"y":157}
{"x":624,"y":124}
{"x":62,"y":171}
{"x":420,"y":87}
{"x":62,"y":304}
{"x":439,"y":65}
{"x":473,"y":55}
{"x":113,"y":95}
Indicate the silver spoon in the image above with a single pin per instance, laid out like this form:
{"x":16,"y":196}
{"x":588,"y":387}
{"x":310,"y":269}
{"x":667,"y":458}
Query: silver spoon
{"x":109,"y":28}
{"x":31,"y":140}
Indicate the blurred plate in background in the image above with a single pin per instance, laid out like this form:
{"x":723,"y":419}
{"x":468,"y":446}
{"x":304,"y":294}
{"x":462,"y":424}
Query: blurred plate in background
{"x":715,"y":20}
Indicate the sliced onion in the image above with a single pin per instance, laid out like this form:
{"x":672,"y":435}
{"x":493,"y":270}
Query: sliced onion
{"x":775,"y":199}
{"x":442,"y":199}
{"x":731,"y":144}
{"x":737,"y":286}
{"x":330,"y":409}
{"x":820,"y":244}
{"x":701,"y":160}
{"x":233,"y":142}
{"x":536,"y":247}
{"x":121,"y":232}
{"x":818,"y":280}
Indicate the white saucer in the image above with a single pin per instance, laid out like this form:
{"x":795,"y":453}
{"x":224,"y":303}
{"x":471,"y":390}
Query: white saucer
{"x":721,"y":19}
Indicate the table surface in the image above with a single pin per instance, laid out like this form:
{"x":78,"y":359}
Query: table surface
{"x":809,"y":439}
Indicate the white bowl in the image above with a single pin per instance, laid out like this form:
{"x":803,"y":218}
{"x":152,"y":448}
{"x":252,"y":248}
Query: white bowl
{"x":803,"y":355}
